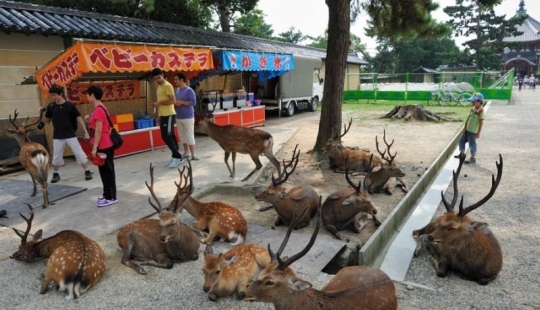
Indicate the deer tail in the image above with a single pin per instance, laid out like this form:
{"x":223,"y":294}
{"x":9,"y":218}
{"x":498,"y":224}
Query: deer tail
{"x":40,"y":159}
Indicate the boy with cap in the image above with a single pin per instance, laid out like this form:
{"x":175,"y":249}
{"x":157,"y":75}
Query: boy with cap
{"x":472,"y":128}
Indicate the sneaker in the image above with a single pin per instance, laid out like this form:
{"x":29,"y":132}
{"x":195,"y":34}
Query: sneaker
{"x":3,"y":213}
{"x":194,"y":157}
{"x":186,"y":156}
{"x":100,"y":199}
{"x":55,"y":178}
{"x":176,"y":162}
{"x":88,"y":175}
{"x":470,"y":161}
{"x":106,"y":202}
{"x":169,"y":163}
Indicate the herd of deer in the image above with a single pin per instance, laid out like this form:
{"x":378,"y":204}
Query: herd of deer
{"x":76,"y":263}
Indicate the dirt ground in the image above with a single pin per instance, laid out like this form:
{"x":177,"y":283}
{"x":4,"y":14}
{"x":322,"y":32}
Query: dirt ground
{"x":417,"y":144}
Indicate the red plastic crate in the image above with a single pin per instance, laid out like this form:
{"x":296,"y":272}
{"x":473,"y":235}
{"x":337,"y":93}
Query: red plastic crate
{"x":126,"y":126}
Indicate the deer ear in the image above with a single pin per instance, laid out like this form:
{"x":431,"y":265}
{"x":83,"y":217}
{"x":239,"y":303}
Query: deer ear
{"x":12,"y":131}
{"x":38,"y":235}
{"x":297,"y":284}
{"x":227,"y":261}
{"x":478,"y":226}
{"x":376,"y":169}
{"x":348,"y":201}
{"x":208,"y":250}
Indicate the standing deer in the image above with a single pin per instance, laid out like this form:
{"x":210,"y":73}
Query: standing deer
{"x":225,"y":274}
{"x":286,"y":202}
{"x":342,"y":209}
{"x":158,"y":243}
{"x":459,"y":243}
{"x":234,"y":139}
{"x":357,"y":287}
{"x":218,"y":219}
{"x":33,"y":156}
{"x":76,"y":262}
{"x":385,"y":177}
{"x":358,"y":159}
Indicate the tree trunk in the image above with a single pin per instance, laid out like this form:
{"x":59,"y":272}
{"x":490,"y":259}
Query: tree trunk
{"x":339,"y":23}
{"x":224,"y":14}
{"x":414,"y":112}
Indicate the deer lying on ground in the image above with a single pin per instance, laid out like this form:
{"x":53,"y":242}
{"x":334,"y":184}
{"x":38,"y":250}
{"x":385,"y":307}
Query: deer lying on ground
{"x":33,"y":156}
{"x":358,"y":159}
{"x":385,"y":177}
{"x":357,"y":287}
{"x":286,"y":202}
{"x":345,"y":208}
{"x":158,"y":243}
{"x":225,"y":274}
{"x":459,"y":243}
{"x":76,"y":262}
{"x":234,"y":139}
{"x":218,"y":219}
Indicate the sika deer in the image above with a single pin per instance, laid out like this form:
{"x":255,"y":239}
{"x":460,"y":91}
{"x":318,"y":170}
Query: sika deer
{"x":342,"y":209}
{"x":76,"y":262}
{"x":234,"y":139}
{"x":158,"y":243}
{"x":33,"y":156}
{"x":216,"y":218}
{"x":459,"y":243}
{"x":225,"y":274}
{"x":337,"y":154}
{"x":357,"y":287}
{"x":286,"y":202}
{"x":385,"y":177}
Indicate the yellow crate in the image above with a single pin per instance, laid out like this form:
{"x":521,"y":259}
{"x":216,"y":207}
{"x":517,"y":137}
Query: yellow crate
{"x":124,"y":118}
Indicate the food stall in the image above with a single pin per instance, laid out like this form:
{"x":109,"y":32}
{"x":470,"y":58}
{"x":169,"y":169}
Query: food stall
{"x":239,"y":71}
{"x":122,"y":70}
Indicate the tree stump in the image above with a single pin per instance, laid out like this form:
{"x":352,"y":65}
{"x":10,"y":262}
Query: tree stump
{"x":414,"y":112}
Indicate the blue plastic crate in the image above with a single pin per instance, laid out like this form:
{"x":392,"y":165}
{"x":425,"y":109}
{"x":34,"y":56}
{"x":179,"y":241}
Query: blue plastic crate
{"x":144,"y":123}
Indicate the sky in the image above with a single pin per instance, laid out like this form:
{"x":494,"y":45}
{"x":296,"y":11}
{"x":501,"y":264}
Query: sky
{"x":311,"y":16}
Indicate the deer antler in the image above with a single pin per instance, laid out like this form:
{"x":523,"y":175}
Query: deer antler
{"x":28,"y":223}
{"x":455,"y":174}
{"x":388,"y":146}
{"x":150,"y":187}
{"x":494,"y":184}
{"x":346,"y":129}
{"x":12,"y":121}
{"x":347,"y":169}
{"x":277,"y":256}
{"x":282,"y":178}
{"x":186,"y":185}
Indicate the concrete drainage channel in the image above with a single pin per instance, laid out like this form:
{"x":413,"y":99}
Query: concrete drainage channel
{"x":371,"y":252}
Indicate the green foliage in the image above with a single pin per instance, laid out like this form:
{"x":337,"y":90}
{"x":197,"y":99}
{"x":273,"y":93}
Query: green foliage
{"x":253,"y":24}
{"x":228,"y":11}
{"x":356,"y":44}
{"x":476,"y":18}
{"x":292,"y":36}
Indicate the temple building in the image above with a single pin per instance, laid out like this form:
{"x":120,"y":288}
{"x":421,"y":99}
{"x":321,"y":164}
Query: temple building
{"x":525,"y":57}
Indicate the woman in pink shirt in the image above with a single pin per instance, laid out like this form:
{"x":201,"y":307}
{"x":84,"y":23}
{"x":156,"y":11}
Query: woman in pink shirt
{"x":101,"y":142}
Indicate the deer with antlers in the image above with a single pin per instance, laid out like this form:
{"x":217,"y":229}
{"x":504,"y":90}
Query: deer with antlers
{"x":158,"y":242}
{"x":220,"y":220}
{"x":286,"y":202}
{"x":76,"y":262}
{"x":346,"y":208}
{"x":33,"y":156}
{"x":356,"y":287}
{"x":235,"y":139}
{"x":225,"y":274}
{"x":385,"y":177}
{"x":338,"y":155}
{"x":458,"y":242}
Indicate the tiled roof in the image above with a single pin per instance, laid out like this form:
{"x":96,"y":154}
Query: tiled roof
{"x":39,"y":19}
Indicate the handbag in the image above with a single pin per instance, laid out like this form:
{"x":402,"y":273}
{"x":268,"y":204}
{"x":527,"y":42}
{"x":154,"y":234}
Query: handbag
{"x":116,"y":138}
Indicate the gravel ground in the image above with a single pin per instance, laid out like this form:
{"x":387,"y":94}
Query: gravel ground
{"x":512,"y":215}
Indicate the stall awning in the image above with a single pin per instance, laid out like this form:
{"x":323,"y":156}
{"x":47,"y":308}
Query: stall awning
{"x":267,"y":65}
{"x":93,"y":58}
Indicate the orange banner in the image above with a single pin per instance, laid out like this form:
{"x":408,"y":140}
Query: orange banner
{"x":118,"y":90}
{"x":84,"y":58}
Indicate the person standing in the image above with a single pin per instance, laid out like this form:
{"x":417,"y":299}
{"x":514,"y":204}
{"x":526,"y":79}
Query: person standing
{"x":473,"y":127}
{"x":520,"y":83}
{"x":65,"y":117}
{"x":167,"y":115}
{"x":100,"y":139}
{"x":186,"y":99}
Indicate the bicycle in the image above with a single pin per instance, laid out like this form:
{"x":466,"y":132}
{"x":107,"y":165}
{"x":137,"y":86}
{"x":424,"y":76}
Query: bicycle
{"x":450,"y":98}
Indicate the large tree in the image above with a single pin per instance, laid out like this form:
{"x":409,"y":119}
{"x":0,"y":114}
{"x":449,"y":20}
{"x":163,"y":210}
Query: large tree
{"x":226,"y":10}
{"x":389,"y":18}
{"x":292,"y":36}
{"x":475,"y":18}
{"x":253,"y":24}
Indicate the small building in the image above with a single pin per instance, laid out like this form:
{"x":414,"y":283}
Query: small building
{"x":424,"y":75}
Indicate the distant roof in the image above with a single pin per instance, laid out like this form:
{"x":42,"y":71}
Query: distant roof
{"x":425,"y":70}
{"x":39,"y":19}
{"x":530,"y":28}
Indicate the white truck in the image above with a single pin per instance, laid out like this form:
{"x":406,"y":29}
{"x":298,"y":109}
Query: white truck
{"x":299,"y":89}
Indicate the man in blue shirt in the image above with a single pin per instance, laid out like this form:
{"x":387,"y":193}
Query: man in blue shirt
{"x":186,"y":99}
